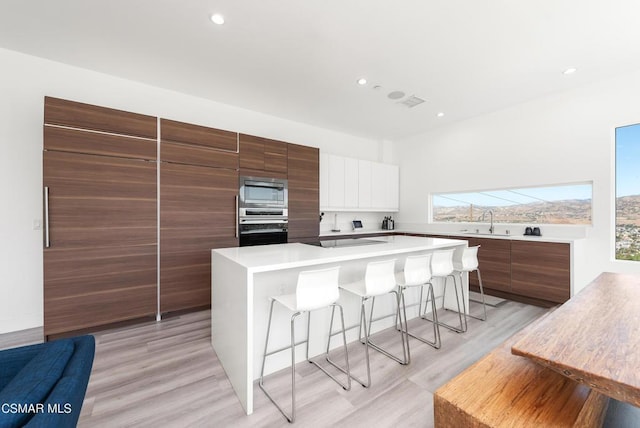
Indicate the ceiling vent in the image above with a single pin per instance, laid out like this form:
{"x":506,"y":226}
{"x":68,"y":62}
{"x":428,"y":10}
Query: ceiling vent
{"x":412,"y":101}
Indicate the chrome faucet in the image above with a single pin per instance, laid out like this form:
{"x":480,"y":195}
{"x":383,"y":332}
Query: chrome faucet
{"x":490,"y":218}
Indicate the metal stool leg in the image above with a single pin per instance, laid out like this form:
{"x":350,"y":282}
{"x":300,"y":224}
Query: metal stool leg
{"x":436,"y":328}
{"x":291,"y":417}
{"x":484,"y":306}
{"x":463,"y":320}
{"x":347,"y":386}
{"x":403,"y":333}
{"x":346,"y":371}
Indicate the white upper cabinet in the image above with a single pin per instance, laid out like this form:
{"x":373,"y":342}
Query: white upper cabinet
{"x":364,"y":184}
{"x":336,"y":181}
{"x":351,"y":183}
{"x":348,"y":184}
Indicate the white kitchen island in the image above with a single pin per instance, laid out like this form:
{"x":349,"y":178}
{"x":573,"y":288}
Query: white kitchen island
{"x":243,"y":279}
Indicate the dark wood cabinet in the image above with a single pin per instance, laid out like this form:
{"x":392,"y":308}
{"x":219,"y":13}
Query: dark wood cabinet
{"x":262,"y":157}
{"x":101,"y":266}
{"x":541,"y":270}
{"x":115,"y":186}
{"x":197,"y":214}
{"x":304,"y":197}
{"x":494,"y":257}
{"x":528,"y":271}
{"x":198,"y":190}
{"x":86,"y":116}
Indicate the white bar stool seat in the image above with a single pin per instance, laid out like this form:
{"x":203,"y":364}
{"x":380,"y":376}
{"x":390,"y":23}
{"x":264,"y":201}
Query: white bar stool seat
{"x":467,"y":261}
{"x":314,"y":290}
{"x":379,"y":279}
{"x":417,"y":273}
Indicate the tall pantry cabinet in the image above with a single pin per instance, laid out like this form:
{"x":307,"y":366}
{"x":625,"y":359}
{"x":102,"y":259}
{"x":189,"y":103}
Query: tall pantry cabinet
{"x":198,"y":203}
{"x":100,"y":256}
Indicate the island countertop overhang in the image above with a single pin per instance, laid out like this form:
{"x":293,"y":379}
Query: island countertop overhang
{"x":275,"y":257}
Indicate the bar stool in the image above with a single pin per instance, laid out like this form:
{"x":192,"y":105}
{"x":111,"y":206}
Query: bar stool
{"x":467,"y":261}
{"x":417,"y":273}
{"x":379,"y":279}
{"x":314,"y":290}
{"x":442,"y":267}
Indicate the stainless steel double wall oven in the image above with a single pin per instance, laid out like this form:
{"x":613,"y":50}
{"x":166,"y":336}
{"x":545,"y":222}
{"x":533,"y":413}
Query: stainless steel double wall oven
{"x":263,"y":214}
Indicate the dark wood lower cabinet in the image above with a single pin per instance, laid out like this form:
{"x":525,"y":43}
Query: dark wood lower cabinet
{"x":304,"y":196}
{"x":101,"y":266}
{"x":197,"y":213}
{"x":494,"y":257}
{"x":528,"y":271}
{"x":541,"y":270}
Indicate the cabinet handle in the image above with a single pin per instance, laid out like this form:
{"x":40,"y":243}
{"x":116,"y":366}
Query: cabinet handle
{"x":47,"y":240}
{"x":237,"y":216}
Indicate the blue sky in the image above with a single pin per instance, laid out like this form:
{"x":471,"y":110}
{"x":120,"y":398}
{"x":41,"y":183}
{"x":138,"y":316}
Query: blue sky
{"x":628,"y":160}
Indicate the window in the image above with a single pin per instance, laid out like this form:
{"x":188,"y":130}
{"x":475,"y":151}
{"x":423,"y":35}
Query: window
{"x":563,"y":204}
{"x":628,"y":193}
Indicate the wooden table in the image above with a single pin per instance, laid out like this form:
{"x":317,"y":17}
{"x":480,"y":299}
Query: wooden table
{"x":594,"y":338}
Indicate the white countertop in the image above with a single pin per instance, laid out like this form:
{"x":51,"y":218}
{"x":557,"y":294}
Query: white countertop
{"x":509,"y":237}
{"x":465,"y":235}
{"x":265,"y":258}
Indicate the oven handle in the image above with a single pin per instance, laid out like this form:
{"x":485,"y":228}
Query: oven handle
{"x":256,"y":221}
{"x":262,"y":231}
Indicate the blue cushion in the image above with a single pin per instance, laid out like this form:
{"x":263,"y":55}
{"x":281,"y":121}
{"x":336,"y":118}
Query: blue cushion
{"x":31,"y":385}
{"x":13,"y":360}
{"x":64,"y":403}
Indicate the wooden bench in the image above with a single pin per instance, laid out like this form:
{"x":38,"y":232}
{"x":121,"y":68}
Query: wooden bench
{"x":505,"y":390}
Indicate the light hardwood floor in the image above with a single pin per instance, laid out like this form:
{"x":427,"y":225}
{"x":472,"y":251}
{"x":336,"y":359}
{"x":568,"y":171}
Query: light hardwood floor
{"x":166,"y":375}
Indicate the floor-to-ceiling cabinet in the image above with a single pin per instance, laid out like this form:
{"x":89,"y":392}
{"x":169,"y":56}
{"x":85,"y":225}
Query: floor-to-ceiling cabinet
{"x":100,"y":255}
{"x":134,"y":204}
{"x":303,"y":177}
{"x":198,"y":202}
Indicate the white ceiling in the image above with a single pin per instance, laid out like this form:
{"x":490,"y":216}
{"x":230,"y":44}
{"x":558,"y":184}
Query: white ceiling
{"x":300,"y":59}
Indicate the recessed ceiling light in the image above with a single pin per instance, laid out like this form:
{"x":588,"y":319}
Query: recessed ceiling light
{"x":216,"y":18}
{"x":362,"y":81}
{"x":441,"y":114}
{"x":570,"y":70}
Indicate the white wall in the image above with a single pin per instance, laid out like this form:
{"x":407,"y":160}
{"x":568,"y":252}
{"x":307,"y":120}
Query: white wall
{"x":567,"y":137}
{"x":24,"y":82}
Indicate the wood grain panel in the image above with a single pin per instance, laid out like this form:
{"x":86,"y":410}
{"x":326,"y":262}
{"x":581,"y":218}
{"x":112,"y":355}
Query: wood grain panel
{"x":102,"y":201}
{"x":541,"y":270}
{"x":275,"y":156}
{"x":99,"y":309}
{"x":186,"y":133}
{"x":304,"y":198}
{"x":197,"y":213}
{"x":198,"y":155}
{"x":78,"y":141}
{"x":101,"y":267}
{"x":261,"y":173}
{"x":251,"y":152}
{"x":494,"y":258}
{"x":502,"y":390}
{"x":87,"y":116}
